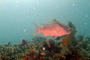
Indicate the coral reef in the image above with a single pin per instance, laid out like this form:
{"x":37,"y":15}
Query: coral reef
{"x":24,"y":43}
{"x":41,"y":48}
{"x":48,"y":50}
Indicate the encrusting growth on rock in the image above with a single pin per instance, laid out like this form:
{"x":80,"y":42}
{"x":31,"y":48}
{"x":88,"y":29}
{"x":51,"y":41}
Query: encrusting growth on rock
{"x":67,"y":39}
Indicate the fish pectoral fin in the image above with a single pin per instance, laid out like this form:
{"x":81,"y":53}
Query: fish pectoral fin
{"x":55,"y":37}
{"x":36,"y":34}
{"x":42,"y":35}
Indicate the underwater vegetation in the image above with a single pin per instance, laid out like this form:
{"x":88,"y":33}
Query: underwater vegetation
{"x":69,"y":47}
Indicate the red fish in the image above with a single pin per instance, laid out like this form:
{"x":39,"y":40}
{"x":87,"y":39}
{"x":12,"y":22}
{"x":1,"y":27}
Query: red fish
{"x":53,"y":29}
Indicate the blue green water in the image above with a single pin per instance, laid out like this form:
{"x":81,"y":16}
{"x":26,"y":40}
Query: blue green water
{"x":17,"y":17}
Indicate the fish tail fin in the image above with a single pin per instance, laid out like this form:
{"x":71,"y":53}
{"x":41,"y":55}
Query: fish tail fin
{"x":37,"y":28}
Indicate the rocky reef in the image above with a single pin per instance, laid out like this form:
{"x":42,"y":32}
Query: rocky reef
{"x":40,"y":48}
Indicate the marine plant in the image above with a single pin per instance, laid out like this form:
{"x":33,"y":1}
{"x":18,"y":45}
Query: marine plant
{"x":41,"y":48}
{"x":68,"y":39}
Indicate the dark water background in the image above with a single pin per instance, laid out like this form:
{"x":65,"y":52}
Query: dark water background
{"x":17,"y":17}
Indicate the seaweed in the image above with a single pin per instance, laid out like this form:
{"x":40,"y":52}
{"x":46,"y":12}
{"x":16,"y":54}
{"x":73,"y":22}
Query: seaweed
{"x":41,"y":48}
{"x":68,"y":39}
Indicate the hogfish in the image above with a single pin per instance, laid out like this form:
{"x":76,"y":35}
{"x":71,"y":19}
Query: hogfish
{"x":53,"y":29}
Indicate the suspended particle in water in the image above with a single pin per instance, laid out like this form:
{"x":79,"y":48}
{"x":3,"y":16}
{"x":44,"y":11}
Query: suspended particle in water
{"x":83,"y":1}
{"x":86,"y":15}
{"x":17,"y":6}
{"x":88,"y":4}
{"x":73,"y":4}
{"x":85,"y":23}
{"x":37,"y":2}
{"x":63,"y":3}
{"x":88,"y":34}
{"x":25,"y":30}
{"x":16,"y":1}
{"x":33,"y":8}
{"x":50,"y":1}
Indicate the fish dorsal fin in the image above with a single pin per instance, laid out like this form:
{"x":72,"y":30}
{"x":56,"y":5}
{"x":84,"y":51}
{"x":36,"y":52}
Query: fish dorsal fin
{"x":54,"y":21}
{"x":44,"y":25}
